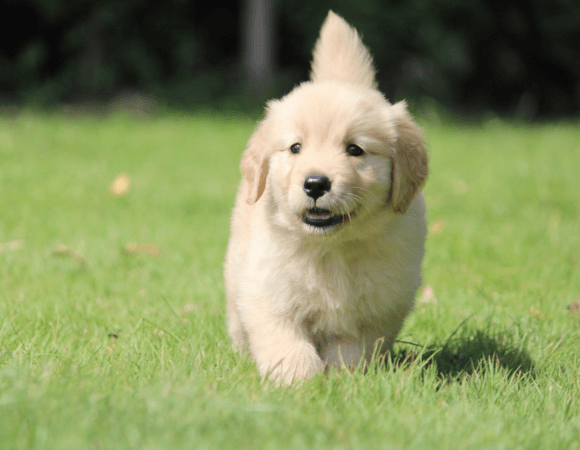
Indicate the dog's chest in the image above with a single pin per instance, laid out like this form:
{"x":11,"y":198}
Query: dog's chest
{"x":334,"y":295}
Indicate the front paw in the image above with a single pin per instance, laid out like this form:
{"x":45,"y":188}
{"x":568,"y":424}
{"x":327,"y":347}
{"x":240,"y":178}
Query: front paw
{"x":292,"y":367}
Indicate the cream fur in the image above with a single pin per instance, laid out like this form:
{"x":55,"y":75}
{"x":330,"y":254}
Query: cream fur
{"x":300,"y":297}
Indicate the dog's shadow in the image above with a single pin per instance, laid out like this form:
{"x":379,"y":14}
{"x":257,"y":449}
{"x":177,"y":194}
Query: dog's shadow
{"x":471,"y":352}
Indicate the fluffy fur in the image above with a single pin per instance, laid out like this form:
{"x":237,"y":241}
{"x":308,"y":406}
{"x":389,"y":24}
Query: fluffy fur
{"x":301,"y":295}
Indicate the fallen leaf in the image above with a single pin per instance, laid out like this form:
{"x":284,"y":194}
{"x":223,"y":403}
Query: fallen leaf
{"x":133,"y":248}
{"x":63,"y":250}
{"x":428,"y":295}
{"x":437,"y":227}
{"x":574,"y":307}
{"x":120,"y":186}
{"x":11,"y":246}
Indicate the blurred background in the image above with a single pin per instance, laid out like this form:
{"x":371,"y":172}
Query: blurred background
{"x":510,"y":58}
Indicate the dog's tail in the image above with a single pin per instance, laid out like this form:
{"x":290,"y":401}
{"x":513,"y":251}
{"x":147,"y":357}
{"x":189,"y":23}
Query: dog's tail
{"x":340,"y":53}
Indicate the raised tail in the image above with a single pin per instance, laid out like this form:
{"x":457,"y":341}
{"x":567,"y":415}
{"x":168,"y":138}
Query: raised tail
{"x":340,"y":53}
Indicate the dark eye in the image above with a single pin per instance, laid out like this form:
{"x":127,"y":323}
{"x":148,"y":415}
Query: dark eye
{"x":295,"y":148}
{"x":354,"y":150}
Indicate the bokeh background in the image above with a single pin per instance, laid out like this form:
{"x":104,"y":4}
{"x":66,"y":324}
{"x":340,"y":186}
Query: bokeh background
{"x":510,"y":58}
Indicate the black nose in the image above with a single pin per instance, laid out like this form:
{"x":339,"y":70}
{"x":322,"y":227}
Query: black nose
{"x":316,"y":186}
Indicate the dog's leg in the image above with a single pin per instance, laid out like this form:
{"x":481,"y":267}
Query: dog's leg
{"x":282,"y":349}
{"x":339,"y":353}
{"x":235,"y":326}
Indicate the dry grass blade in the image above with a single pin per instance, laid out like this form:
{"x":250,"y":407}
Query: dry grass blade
{"x":134,"y":248}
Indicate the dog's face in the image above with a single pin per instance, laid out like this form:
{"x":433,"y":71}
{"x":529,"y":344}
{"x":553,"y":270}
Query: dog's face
{"x":334,"y":151}
{"x":330,"y":165}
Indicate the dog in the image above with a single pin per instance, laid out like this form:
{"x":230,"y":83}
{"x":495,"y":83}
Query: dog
{"x":328,"y":229}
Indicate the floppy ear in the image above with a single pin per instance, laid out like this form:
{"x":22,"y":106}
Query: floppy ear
{"x":410,"y":168}
{"x":254,"y":164}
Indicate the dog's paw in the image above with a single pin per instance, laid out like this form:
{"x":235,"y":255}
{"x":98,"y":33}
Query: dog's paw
{"x":294,"y":367}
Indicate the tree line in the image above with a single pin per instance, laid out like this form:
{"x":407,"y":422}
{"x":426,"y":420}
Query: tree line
{"x":511,"y":57}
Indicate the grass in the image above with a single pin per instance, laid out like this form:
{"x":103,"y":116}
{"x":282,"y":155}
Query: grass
{"x":102,"y":347}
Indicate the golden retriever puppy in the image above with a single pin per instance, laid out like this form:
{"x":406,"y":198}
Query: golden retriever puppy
{"x":328,"y":231}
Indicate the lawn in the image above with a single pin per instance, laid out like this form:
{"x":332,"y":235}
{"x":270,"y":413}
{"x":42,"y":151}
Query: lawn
{"x":112,"y":310}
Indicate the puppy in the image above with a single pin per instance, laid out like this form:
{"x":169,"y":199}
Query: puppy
{"x":328,"y":230}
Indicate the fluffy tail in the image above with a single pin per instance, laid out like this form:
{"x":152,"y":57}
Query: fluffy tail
{"x":340,"y":53}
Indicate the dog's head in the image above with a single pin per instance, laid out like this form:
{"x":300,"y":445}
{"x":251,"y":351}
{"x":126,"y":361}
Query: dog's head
{"x":334,"y":150}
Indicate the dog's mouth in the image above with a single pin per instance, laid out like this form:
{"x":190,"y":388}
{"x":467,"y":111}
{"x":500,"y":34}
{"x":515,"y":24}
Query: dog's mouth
{"x":324,"y":218}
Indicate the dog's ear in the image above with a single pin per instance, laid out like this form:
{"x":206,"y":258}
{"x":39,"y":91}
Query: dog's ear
{"x":410,"y":168}
{"x":254,"y":163}
{"x":340,"y":53}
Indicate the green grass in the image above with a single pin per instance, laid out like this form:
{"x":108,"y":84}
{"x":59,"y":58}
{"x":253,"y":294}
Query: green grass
{"x":111,"y":350}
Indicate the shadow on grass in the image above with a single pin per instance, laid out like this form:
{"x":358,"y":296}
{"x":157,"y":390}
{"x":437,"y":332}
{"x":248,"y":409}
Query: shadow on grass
{"x":468,"y":353}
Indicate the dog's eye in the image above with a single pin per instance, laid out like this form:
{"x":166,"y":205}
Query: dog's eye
{"x":295,"y":148}
{"x":354,"y":150}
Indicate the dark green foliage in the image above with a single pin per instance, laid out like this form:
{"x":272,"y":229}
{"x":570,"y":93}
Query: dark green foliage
{"x":514,"y":58}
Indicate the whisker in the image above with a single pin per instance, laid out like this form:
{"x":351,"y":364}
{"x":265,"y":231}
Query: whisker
{"x":344,"y":208}
{"x":369,"y":193}
{"x":361,"y":200}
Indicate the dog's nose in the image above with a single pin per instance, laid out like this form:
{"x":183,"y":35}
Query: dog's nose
{"x":316,"y":186}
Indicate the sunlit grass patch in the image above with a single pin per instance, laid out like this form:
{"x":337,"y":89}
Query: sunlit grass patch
{"x":112,"y":315}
